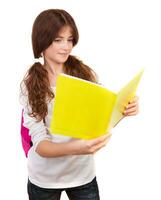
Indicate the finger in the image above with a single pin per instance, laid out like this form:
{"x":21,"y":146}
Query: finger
{"x":131,"y":105}
{"x":100,"y":139}
{"x":135,"y":99}
{"x":132,"y":113}
{"x":99,"y":146}
{"x":133,"y":109}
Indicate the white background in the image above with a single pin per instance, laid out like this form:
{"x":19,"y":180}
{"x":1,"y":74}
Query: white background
{"x":117,"y":39}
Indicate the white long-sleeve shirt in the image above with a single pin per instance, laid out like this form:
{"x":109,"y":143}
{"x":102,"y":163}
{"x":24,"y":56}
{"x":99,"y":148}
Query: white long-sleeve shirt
{"x":57,"y":172}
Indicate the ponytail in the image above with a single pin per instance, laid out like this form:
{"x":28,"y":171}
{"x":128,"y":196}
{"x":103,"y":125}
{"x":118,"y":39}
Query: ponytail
{"x":38,"y":87}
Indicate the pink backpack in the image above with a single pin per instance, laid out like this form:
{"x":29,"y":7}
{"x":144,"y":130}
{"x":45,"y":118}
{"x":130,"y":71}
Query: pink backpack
{"x":25,"y":137}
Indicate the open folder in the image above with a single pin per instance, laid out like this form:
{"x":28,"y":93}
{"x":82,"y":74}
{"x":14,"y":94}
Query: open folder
{"x":87,"y":110}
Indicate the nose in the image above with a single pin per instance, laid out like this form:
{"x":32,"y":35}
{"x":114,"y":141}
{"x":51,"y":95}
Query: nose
{"x":65,"y":45}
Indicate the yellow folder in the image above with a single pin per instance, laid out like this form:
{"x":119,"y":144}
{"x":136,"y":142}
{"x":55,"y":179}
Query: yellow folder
{"x":86,"y":110}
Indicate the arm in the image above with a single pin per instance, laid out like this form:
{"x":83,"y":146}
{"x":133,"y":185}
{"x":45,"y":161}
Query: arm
{"x":42,"y":140}
{"x":74,"y":147}
{"x":46,"y":148}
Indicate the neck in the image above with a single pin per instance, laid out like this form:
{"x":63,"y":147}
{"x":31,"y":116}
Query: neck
{"x":54,"y":69}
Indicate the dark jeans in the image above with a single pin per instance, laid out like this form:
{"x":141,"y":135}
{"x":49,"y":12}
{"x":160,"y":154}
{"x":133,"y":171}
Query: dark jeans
{"x":88,"y":191}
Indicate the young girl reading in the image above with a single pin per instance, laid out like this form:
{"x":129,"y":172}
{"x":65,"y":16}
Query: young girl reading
{"x":57,"y":163}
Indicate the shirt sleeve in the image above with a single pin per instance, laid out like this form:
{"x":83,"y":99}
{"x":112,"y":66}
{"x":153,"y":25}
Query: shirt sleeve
{"x":37,"y":129}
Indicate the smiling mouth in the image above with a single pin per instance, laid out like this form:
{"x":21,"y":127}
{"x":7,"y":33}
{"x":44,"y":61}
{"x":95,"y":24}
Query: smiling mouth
{"x":63,"y":54}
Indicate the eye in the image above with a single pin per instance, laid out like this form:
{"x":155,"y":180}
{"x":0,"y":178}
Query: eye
{"x":57,"y":40}
{"x":70,"y":39}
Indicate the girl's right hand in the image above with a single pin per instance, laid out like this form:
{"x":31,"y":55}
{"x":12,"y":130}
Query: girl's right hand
{"x":81,"y":146}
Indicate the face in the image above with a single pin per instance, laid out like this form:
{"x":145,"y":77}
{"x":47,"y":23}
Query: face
{"x":61,"y":47}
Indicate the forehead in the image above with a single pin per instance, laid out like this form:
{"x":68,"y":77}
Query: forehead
{"x":65,"y":31}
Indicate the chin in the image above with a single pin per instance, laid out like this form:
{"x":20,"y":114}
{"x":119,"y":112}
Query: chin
{"x":64,"y":59}
{"x":61,"y":61}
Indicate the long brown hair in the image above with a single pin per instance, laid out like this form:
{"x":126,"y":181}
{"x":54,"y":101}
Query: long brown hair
{"x":45,"y":29}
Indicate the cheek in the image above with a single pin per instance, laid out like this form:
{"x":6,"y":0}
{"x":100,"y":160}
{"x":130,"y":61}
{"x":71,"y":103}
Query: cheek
{"x":55,"y":48}
{"x":71,"y":47}
{"x":50,"y":50}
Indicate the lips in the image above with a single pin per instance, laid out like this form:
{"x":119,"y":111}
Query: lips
{"x":63,"y":54}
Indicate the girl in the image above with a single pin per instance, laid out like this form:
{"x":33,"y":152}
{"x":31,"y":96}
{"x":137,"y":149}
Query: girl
{"x":55,"y":162}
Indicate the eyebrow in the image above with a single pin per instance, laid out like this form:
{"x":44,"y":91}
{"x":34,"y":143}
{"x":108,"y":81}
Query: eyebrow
{"x":58,"y":36}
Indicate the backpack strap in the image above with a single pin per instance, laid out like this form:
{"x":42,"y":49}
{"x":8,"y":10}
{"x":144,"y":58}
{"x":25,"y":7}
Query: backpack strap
{"x":25,"y":137}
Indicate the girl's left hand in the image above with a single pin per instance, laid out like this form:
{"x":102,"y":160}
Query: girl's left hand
{"x":132,"y":108}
